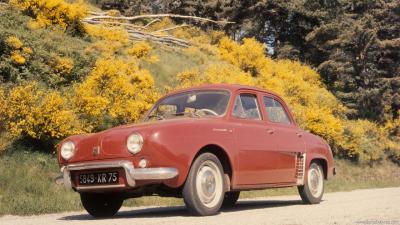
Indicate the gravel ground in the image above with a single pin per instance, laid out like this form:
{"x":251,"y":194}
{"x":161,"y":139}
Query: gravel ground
{"x":371,"y":206}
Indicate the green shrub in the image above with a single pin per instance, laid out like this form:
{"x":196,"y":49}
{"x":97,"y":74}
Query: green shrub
{"x":51,"y":51}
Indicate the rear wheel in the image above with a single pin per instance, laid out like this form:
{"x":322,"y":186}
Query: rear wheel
{"x":101,"y":205}
{"x":313,"y":189}
{"x":230,"y":198}
{"x":203,"y":191}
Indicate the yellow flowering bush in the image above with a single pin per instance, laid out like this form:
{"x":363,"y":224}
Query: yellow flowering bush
{"x":27,"y":51}
{"x":17,"y":58}
{"x":107,"y":33}
{"x":16,"y":108}
{"x":109,"y":40}
{"x":392,"y":129}
{"x":142,"y":50}
{"x":14,"y":42}
{"x":29,"y":110}
{"x":204,"y":41}
{"x":363,"y":139}
{"x":17,"y":52}
{"x":116,"y":89}
{"x":53,"y":12}
{"x":249,"y":57}
{"x":160,"y":24}
{"x":214,"y":74}
{"x":63,"y":65}
{"x":54,"y":119}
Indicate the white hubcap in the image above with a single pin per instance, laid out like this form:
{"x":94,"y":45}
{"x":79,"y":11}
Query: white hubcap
{"x":209,"y":184}
{"x":315,"y":181}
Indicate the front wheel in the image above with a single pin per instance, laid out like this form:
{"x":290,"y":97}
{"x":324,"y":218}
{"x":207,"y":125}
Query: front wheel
{"x":203,"y":191}
{"x":101,"y":205}
{"x":313,"y":189}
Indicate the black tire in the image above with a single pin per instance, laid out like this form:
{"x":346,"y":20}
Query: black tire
{"x":230,"y":198}
{"x":101,"y":205}
{"x":307,"y":195}
{"x":191,"y":194}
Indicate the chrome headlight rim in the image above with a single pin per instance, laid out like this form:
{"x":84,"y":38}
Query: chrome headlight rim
{"x":134,"y":142}
{"x":67,"y":150}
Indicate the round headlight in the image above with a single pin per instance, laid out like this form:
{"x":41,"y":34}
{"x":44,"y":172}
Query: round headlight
{"x":67,"y":150}
{"x":134,"y":143}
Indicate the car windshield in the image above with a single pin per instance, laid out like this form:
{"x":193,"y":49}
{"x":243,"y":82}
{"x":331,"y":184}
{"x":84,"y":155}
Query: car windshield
{"x":191,"y":104}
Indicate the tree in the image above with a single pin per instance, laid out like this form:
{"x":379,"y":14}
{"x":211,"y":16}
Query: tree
{"x":357,"y":54}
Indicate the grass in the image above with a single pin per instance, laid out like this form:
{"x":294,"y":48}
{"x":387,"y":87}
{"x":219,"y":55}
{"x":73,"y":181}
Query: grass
{"x":27,"y":184}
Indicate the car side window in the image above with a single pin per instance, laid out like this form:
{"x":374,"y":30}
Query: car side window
{"x":276,"y":112}
{"x":246,"y":107}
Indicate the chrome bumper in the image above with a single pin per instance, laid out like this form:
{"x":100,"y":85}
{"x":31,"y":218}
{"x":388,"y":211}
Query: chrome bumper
{"x":132,"y":174}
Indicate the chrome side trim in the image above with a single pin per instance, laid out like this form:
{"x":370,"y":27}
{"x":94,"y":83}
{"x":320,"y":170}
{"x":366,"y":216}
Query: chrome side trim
{"x":154,"y":173}
{"x":132,"y":174}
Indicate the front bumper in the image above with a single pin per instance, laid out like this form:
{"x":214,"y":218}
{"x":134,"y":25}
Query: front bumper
{"x":132,"y":174}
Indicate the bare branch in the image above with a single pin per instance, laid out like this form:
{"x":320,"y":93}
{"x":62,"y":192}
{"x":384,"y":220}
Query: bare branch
{"x":170,"y":28}
{"x":132,"y":18}
{"x":115,"y":23}
{"x":162,"y":39}
{"x":98,"y":13}
{"x":152,"y":22}
{"x":137,"y":33}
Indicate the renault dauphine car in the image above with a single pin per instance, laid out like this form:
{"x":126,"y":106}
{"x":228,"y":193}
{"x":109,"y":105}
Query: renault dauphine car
{"x":204,"y":144}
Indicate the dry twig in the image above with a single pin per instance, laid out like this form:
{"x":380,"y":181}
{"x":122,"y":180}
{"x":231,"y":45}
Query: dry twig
{"x":170,"y":28}
{"x":132,"y":18}
{"x":137,"y":32}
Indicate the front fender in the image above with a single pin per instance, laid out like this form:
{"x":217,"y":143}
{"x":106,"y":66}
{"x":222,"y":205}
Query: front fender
{"x":178,"y":148}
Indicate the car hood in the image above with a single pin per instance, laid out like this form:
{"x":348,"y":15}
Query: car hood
{"x":112,"y":142}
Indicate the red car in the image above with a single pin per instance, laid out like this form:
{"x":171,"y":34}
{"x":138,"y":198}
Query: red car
{"x":205,"y":144}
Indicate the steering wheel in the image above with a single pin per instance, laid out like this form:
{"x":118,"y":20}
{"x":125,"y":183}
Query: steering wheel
{"x":208,"y":111}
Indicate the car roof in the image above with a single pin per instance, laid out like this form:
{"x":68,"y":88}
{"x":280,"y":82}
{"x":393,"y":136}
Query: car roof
{"x":230,"y":87}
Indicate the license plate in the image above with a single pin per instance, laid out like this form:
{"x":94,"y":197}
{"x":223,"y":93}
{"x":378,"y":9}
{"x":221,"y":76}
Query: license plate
{"x":99,"y":178}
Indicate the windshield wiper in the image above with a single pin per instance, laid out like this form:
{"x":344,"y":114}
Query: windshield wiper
{"x":159,"y":117}
{"x":191,"y":114}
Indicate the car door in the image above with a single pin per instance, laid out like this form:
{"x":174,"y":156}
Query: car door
{"x":254,"y":148}
{"x":288,"y":137}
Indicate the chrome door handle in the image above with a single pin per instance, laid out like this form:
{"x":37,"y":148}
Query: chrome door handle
{"x":299,"y":134}
{"x":270,"y":131}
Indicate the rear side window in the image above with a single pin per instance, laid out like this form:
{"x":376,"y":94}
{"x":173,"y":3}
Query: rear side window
{"x":246,"y":107}
{"x":276,"y":112}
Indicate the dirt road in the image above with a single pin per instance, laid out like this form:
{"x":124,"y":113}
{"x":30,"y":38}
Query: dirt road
{"x":373,"y":206}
